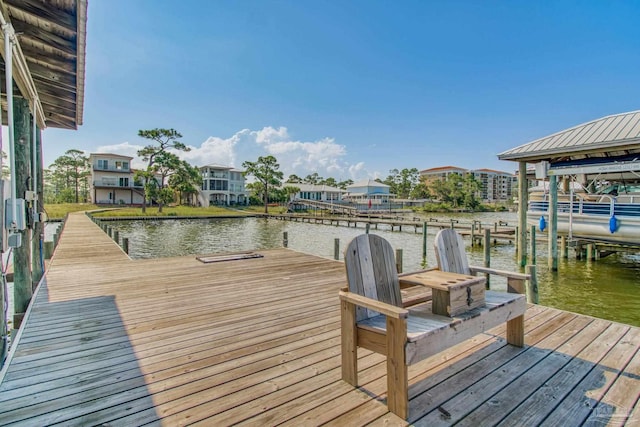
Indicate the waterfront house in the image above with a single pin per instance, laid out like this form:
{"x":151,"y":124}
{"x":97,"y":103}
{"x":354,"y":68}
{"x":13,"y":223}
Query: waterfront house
{"x":322,"y":193}
{"x":112,"y":180}
{"x":222,"y":185}
{"x":368,"y":191}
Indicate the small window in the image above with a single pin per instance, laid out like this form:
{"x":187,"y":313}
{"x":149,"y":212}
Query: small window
{"x":103,"y":164}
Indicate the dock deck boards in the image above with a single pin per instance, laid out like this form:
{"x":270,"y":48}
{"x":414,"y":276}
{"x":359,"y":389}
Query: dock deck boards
{"x":174,"y":341}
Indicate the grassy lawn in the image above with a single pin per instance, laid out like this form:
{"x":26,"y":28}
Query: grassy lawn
{"x":58,"y":211}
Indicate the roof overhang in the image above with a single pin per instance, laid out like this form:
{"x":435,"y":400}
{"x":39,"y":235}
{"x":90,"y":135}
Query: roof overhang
{"x":48,"y":58}
{"x":612,"y":136}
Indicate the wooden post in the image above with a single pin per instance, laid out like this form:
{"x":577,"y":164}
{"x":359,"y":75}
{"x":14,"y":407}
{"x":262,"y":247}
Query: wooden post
{"x":563,"y":247}
{"x":285,"y":239}
{"x":125,"y":245}
{"x":523,"y":204}
{"x":399,"y":260}
{"x":366,"y":228}
{"x":109,"y":231}
{"x":487,"y":254}
{"x":336,"y":249}
{"x":590,"y":256}
{"x":22,"y":278}
{"x":495,"y":227}
{"x":532,"y":285}
{"x":532,"y":245}
{"x":553,"y":223}
{"x":424,"y":240}
{"x":48,"y":249}
{"x":473,"y":233}
{"x":37,"y":243}
{"x":116,"y":236}
{"x":452,"y":226}
{"x":516,"y":236}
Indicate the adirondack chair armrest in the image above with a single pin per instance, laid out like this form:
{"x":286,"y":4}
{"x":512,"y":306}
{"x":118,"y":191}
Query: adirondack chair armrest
{"x":418,"y":271}
{"x":406,"y":283}
{"x":503,"y":273}
{"x":372,"y":304}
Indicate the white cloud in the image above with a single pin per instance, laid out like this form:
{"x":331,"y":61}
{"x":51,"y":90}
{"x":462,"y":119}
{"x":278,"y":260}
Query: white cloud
{"x":324,"y":156}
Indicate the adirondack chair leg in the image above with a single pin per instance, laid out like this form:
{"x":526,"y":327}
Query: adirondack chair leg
{"x":515,"y":327}
{"x":515,"y":331}
{"x":349,"y":343}
{"x":397,"y":377}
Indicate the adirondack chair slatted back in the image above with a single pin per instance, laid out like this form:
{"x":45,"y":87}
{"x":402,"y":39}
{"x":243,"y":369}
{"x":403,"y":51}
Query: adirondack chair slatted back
{"x":450,"y":252}
{"x":371,"y":272}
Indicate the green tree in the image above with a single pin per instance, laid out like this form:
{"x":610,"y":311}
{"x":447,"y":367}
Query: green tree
{"x":313,"y":179}
{"x":294,"y":179}
{"x":421,"y":190}
{"x":344,"y":184}
{"x":160,"y":162}
{"x":330,"y":182}
{"x":265,"y":171}
{"x":402,"y":182}
{"x":69,"y":175}
{"x":186,"y":181}
{"x":290,"y":190}
{"x":457,"y":191}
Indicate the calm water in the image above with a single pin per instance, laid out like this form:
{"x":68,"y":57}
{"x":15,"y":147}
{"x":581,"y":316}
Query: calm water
{"x":608,"y":288}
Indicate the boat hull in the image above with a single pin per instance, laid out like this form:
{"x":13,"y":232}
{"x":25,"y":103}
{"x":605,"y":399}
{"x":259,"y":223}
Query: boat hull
{"x":592,"y":227}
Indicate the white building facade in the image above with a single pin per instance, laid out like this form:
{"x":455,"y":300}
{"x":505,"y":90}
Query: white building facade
{"x":222,"y":185}
{"x":112,"y":182}
{"x":321,"y":193}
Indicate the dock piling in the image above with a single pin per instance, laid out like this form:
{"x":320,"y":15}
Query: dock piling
{"x":125,"y":245}
{"x":532,"y":244}
{"x":487,"y":253}
{"x":285,"y":239}
{"x":399,"y":260}
{"x":532,"y":285}
{"x":424,"y":240}
{"x":336,"y":248}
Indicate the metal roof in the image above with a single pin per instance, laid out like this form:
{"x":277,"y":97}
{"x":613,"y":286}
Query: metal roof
{"x":610,"y":136}
{"x":51,"y":42}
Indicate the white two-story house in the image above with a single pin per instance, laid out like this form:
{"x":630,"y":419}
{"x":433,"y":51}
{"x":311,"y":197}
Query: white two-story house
{"x":112,"y":180}
{"x":222,"y":185}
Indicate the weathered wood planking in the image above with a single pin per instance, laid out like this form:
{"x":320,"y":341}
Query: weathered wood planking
{"x":257,"y":342}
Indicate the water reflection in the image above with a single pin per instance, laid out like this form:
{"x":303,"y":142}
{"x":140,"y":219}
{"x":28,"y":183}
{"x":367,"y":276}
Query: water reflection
{"x":608,"y":288}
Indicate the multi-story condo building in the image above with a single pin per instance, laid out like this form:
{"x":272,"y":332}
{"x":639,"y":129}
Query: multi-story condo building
{"x":440,"y":173}
{"x":495,"y":186}
{"x":112,"y":180}
{"x":222,"y":185}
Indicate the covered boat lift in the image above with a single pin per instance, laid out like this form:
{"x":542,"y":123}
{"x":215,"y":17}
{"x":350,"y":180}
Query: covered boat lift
{"x":43,"y":70}
{"x":608,"y":147}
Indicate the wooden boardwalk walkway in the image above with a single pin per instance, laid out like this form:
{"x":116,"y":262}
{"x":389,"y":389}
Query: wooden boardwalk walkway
{"x":174,"y":341}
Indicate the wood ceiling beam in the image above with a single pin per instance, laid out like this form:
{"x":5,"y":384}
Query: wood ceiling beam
{"x":44,"y":10}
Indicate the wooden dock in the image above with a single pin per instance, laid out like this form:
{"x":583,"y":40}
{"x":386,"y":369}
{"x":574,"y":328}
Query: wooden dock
{"x":175,"y":341}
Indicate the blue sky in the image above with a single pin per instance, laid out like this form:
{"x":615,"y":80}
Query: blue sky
{"x":352,"y":89}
